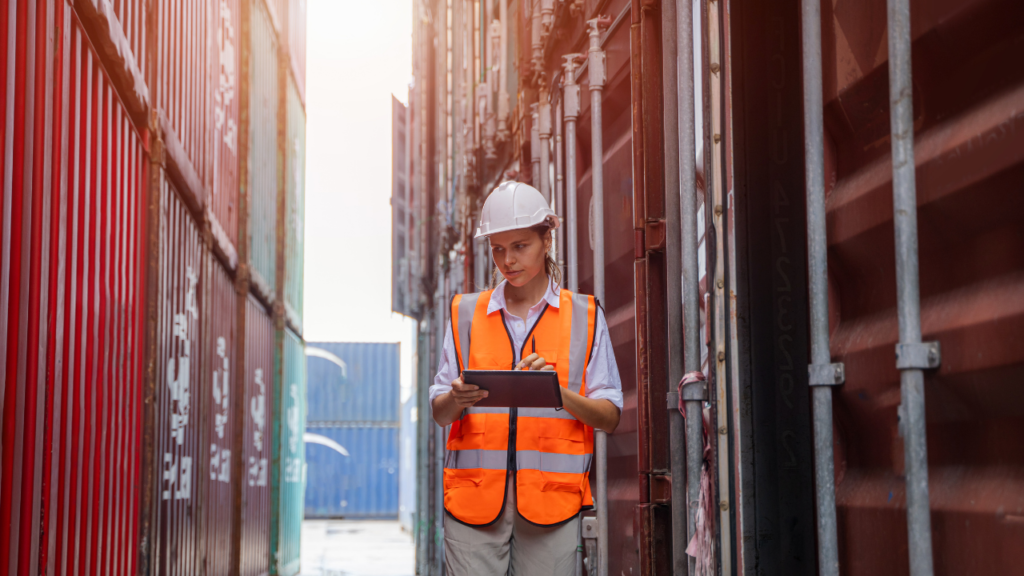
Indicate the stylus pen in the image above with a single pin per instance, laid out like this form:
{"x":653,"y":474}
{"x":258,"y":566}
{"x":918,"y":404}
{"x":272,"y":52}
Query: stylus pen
{"x":533,"y":344}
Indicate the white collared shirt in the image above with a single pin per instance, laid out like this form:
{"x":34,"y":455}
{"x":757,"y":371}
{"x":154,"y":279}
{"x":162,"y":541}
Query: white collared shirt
{"x":602,"y":375}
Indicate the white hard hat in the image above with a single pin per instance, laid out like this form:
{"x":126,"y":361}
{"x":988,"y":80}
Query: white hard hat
{"x":512,"y":206}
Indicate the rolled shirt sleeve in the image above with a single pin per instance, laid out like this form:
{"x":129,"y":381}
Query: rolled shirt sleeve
{"x":602,"y":376}
{"x":447,"y":367}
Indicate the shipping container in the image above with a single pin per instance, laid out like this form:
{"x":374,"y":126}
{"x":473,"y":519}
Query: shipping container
{"x":70,"y":303}
{"x":220,"y":385}
{"x":297,"y":11}
{"x":226,"y":64}
{"x":264,"y":108}
{"x":294,"y":206}
{"x":407,"y":464}
{"x":353,"y":470}
{"x":179,"y":405}
{"x":183,"y":89}
{"x":353,"y":382}
{"x":288,"y":464}
{"x":256,"y":440}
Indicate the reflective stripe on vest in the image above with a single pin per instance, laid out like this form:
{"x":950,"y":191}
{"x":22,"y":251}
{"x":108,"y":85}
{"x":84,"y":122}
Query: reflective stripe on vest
{"x":552,"y":450}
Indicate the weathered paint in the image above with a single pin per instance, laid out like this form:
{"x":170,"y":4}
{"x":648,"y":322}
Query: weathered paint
{"x":263,"y":151}
{"x":364,"y":388}
{"x":179,"y":450}
{"x":220,"y":386}
{"x":225,"y":88}
{"x":363,"y":484}
{"x":69,"y":303}
{"x":183,"y":85}
{"x":256,"y":441}
{"x":295,"y":206}
{"x":288,"y":465}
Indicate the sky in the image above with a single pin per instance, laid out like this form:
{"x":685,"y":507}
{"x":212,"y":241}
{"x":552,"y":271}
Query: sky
{"x":358,"y":54}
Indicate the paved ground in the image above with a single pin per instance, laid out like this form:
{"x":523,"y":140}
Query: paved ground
{"x":356,"y":548}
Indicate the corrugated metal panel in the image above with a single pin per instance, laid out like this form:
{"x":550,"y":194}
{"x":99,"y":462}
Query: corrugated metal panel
{"x":179,"y":405}
{"x":220,"y":388}
{"x":256,"y":445}
{"x":295,"y":205}
{"x":263,"y":152}
{"x":223,"y":200}
{"x":288,"y":477}
{"x":969,"y":157}
{"x":183,"y":81}
{"x":70,"y":305}
{"x":297,"y":43}
{"x":407,"y":465}
{"x":366,"y":390}
{"x":132,"y":16}
{"x":363,"y":484}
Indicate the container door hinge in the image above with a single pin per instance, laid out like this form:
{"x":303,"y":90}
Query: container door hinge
{"x":826,"y":374}
{"x":918,"y":356}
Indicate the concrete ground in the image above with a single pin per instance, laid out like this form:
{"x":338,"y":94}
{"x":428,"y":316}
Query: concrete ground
{"x":356,"y":548}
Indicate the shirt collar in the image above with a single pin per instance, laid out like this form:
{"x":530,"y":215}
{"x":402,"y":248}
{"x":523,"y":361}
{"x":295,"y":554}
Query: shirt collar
{"x":498,"y":297}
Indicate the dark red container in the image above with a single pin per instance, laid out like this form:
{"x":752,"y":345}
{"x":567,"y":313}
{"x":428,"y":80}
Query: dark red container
{"x":226,"y":91}
{"x":221,"y":390}
{"x":183,"y":87}
{"x":70,"y":302}
{"x":255,"y":441}
{"x":179,"y":451}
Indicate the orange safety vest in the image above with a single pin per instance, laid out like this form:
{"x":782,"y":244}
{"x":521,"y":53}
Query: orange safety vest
{"x":547,"y":451}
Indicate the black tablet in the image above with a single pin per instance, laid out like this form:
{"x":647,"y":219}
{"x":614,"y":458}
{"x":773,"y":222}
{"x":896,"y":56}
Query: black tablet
{"x":516,"y":388}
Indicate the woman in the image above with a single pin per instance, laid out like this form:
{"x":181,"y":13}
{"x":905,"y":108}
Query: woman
{"x":515,"y":480}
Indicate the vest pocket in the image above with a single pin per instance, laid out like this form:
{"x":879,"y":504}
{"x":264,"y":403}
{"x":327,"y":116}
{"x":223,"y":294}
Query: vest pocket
{"x":561,"y":487}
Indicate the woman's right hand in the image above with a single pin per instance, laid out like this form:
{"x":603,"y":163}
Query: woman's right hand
{"x":466,"y":395}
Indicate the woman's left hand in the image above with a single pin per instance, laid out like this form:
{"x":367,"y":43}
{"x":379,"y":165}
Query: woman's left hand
{"x":534,"y":362}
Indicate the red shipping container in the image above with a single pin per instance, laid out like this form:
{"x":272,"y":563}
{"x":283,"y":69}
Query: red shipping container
{"x":223,"y":201}
{"x":183,"y":88}
{"x":70,"y":304}
{"x":178,"y":446}
{"x":220,"y":426}
{"x":256,"y":431}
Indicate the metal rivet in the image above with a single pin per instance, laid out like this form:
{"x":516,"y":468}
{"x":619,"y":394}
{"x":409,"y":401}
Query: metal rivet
{"x":724,"y":505}
{"x":722,"y":430}
{"x":720,"y":283}
{"x":718,"y":138}
{"x":721,"y":355}
{"x":714,"y":67}
{"x":718,"y":210}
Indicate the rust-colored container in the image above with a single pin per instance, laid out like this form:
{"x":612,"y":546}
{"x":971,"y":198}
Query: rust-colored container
{"x":225,"y":88}
{"x":178,"y":451}
{"x":968,"y":98}
{"x":70,"y":304}
{"x":183,"y":87}
{"x":256,"y":440}
{"x":263,"y":151}
{"x":221,"y":389}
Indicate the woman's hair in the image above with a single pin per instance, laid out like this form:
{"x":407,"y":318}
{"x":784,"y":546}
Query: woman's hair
{"x":550,"y":266}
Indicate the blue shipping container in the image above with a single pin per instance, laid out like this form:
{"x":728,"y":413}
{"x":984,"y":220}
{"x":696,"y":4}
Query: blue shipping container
{"x":407,"y":465}
{"x":353,"y":382}
{"x":363,"y":484}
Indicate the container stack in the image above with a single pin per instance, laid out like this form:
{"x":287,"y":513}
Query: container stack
{"x":353,"y":425}
{"x":152,"y":401}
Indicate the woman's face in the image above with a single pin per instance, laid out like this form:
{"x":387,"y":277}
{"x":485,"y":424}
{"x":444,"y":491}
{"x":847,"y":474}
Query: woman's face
{"x":519,"y":254}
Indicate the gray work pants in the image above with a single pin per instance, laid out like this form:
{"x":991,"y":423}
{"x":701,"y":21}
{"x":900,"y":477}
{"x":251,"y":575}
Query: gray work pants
{"x":510,"y":546}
